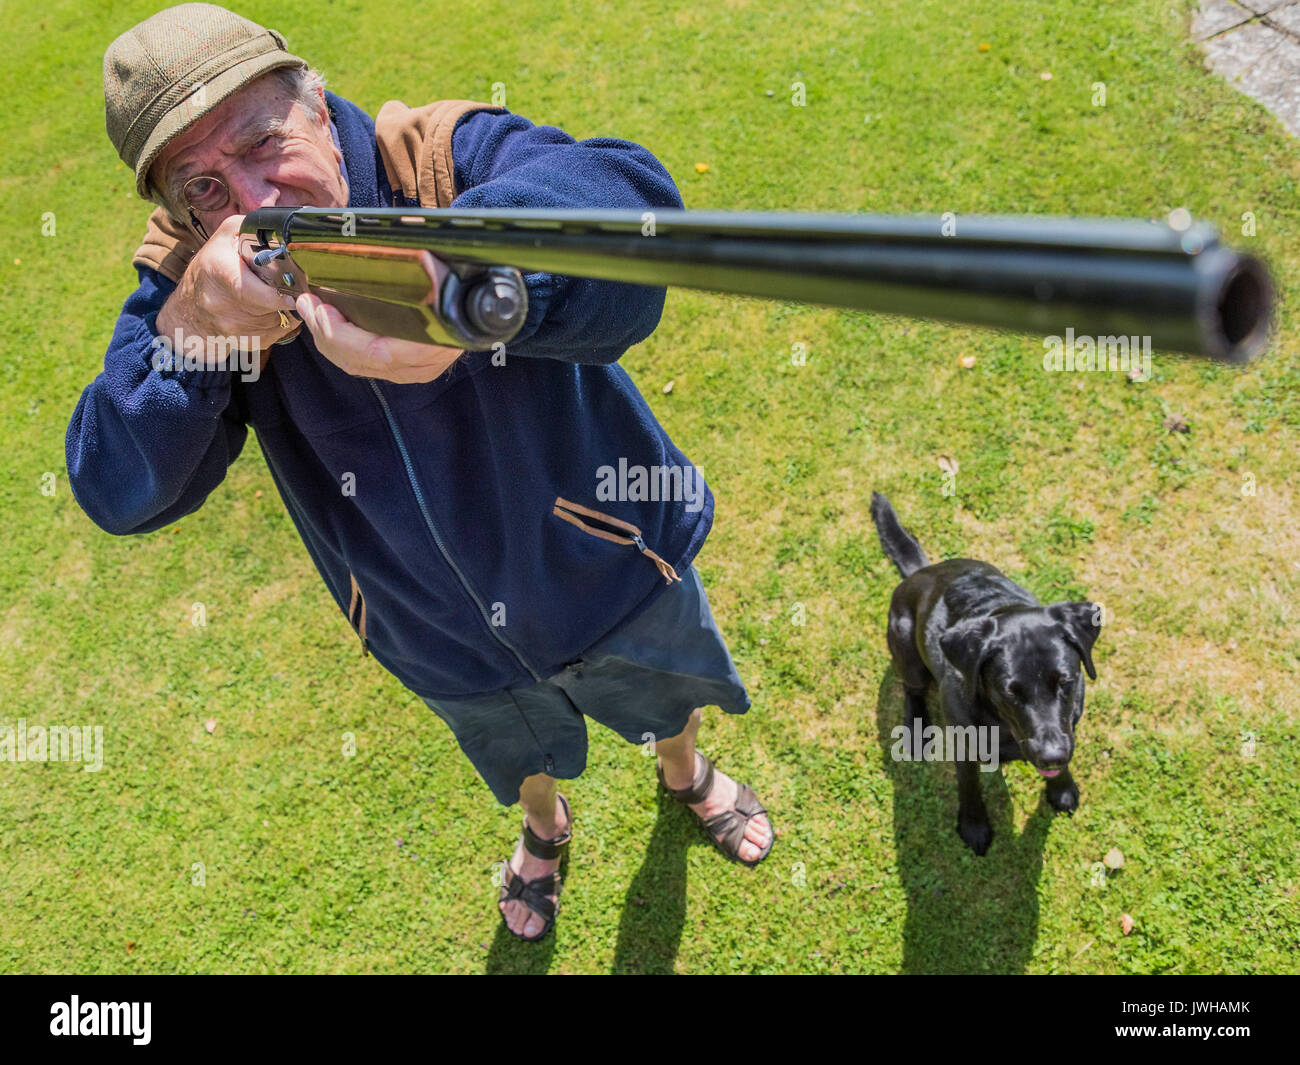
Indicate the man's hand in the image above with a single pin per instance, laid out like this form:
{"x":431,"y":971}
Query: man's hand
{"x":219,"y":296}
{"x":364,"y":354}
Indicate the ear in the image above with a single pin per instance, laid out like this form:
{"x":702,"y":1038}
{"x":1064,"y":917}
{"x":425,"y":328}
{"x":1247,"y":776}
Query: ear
{"x":966,"y":645}
{"x":1082,"y":624}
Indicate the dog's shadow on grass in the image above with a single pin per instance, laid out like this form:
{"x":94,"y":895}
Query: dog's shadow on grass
{"x":965,"y":914}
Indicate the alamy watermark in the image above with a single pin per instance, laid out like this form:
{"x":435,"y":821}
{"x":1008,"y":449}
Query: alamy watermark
{"x":55,"y":743}
{"x":1114,"y":353}
{"x":102,"y":1018}
{"x":638,"y":484}
{"x":951,"y":743}
{"x":208,"y":353}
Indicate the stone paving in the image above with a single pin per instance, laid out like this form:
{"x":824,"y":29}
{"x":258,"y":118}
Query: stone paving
{"x":1255,"y":44}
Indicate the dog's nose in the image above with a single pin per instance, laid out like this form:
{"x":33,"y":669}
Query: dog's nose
{"x":1051,"y":752}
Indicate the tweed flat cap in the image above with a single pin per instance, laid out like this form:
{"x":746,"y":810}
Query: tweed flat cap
{"x":174,"y":67}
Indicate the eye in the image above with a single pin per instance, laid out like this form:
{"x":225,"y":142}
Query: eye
{"x":1015,"y":690}
{"x":204,"y":193}
{"x":263,"y":142}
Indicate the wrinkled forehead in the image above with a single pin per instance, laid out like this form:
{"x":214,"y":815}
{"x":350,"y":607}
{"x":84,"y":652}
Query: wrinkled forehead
{"x":236,"y":117}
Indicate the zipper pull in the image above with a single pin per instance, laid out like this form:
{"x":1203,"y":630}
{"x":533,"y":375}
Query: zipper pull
{"x":669,"y":574}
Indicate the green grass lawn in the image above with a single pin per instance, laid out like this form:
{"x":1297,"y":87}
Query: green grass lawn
{"x":382,"y":862}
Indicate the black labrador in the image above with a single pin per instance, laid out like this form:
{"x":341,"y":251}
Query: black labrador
{"x":999,"y":658}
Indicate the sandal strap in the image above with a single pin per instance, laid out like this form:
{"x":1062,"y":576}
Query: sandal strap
{"x":700,"y":786}
{"x":533,"y":893}
{"x":728,"y":827}
{"x":549,"y":848}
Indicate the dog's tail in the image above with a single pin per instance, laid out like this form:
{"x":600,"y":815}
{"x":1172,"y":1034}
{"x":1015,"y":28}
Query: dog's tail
{"x":899,"y":544}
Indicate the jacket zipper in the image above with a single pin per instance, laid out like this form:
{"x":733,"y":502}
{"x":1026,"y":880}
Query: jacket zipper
{"x":631,"y":534}
{"x":437,"y":538}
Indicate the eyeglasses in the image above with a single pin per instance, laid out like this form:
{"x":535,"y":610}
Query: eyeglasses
{"x":205,"y":193}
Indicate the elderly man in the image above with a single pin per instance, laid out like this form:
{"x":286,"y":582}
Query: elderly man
{"x":425,"y":481}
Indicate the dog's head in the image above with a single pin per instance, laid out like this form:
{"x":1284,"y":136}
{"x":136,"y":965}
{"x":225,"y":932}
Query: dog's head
{"x":1025,"y":662}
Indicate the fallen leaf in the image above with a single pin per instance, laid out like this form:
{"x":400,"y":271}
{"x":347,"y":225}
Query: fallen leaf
{"x":130,"y":947}
{"x":984,"y":47}
{"x":1114,"y":858}
{"x":668,"y":387}
{"x":947,"y":464}
{"x":1175,"y":424}
{"x":968,"y":361}
{"x":700,"y":168}
{"x":1126,"y":924}
{"x":257,"y":494}
{"x":210,"y":724}
{"x":1046,"y":75}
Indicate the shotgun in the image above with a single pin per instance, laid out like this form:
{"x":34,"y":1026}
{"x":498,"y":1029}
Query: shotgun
{"x":456,"y":277}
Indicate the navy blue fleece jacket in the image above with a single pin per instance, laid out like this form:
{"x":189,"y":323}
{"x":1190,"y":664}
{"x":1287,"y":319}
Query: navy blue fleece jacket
{"x":468,"y":580}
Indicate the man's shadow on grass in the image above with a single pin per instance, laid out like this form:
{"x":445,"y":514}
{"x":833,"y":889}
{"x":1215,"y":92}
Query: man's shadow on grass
{"x":965,"y":914}
{"x":654,"y":911}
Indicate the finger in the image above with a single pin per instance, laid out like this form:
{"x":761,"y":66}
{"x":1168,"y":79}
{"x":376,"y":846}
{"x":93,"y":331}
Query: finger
{"x":257,"y":295}
{"x":359,"y":351}
{"x":349,"y":347}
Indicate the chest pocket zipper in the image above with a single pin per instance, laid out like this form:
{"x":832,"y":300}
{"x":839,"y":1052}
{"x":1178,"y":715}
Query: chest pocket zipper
{"x":357,"y":614}
{"x":570,"y":511}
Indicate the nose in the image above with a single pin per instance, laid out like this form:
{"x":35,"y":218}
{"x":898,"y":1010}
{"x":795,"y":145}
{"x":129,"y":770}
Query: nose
{"x":1052,"y":751}
{"x":248,"y":191}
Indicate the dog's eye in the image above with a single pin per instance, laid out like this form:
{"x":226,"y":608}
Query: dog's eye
{"x":1015,"y":690}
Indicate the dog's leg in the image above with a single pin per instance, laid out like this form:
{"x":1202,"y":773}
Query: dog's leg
{"x":972,"y":816}
{"x":900,"y":636}
{"x":1063,"y":793}
{"x":915,"y":713}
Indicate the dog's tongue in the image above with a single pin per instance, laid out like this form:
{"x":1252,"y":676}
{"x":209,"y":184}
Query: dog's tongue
{"x":1049,"y":773}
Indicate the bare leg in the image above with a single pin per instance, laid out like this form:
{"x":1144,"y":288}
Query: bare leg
{"x":677,"y":756}
{"x":539,"y":797}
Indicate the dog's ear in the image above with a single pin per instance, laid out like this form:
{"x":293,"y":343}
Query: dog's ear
{"x":1082,"y":624}
{"x":966,"y":645}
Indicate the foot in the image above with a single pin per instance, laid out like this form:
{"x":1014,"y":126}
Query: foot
{"x":722,"y":797}
{"x":518,"y":917}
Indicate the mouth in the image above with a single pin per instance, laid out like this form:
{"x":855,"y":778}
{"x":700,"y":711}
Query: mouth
{"x":1048,"y":773}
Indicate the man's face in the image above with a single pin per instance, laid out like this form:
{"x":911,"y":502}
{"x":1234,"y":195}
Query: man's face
{"x":267,"y":148}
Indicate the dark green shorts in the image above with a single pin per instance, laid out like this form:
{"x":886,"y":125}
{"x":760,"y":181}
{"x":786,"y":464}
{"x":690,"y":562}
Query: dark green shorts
{"x":643,"y":681}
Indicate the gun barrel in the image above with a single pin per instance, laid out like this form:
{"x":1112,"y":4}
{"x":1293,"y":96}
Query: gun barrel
{"x":1037,"y":275}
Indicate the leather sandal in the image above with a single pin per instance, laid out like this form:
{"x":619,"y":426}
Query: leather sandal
{"x":534,"y":893}
{"x":727,"y":829}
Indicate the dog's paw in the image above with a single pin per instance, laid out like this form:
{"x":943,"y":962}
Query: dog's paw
{"x":1064,"y":800}
{"x":977,"y":835}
